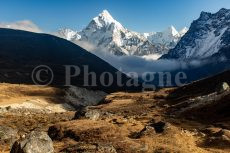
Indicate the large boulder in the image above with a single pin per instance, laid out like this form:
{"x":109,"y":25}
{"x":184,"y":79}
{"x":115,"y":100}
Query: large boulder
{"x":35,"y":142}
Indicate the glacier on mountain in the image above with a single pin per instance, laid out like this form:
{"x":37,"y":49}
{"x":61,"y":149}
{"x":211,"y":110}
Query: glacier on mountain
{"x":105,"y":33}
{"x":168,"y":38}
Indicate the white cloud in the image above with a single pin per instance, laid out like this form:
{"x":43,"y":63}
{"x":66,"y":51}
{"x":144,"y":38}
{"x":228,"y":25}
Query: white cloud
{"x":139,"y":64}
{"x":25,"y":25}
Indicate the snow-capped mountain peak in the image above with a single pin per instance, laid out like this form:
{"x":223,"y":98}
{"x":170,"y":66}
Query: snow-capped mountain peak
{"x":105,"y":19}
{"x":168,"y":38}
{"x":207,"y":36}
{"x":171,"y":31}
{"x":106,"y":16}
{"x":183,"y":31}
{"x":68,"y":34}
{"x":107,"y":34}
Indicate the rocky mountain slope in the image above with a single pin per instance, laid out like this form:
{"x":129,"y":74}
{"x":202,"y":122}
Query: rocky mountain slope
{"x":207,"y":36}
{"x":107,"y":34}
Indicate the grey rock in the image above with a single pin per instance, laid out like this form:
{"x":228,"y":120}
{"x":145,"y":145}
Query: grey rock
{"x":93,"y":115}
{"x":8,"y":133}
{"x":159,"y":126}
{"x":151,"y":129}
{"x":35,"y":142}
{"x":222,"y":87}
{"x":87,"y":113}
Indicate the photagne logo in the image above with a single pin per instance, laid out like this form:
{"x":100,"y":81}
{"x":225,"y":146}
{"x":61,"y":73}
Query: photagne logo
{"x":44,"y":75}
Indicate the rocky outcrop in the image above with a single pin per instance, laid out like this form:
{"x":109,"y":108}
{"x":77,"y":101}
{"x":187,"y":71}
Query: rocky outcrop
{"x":35,"y":142}
{"x":81,"y":97}
{"x":206,"y":101}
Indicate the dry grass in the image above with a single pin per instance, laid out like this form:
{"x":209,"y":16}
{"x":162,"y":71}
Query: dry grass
{"x":127,"y":113}
{"x":16,"y":93}
{"x":131,"y":113}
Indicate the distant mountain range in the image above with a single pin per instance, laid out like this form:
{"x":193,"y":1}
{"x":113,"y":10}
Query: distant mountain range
{"x":202,"y":50}
{"x":208,"y":36}
{"x":104,"y":33}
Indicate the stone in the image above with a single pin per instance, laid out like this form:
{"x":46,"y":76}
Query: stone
{"x":212,"y":131}
{"x":8,"y":135}
{"x":148,"y":130}
{"x":56,"y":132}
{"x":93,"y":115}
{"x":226,"y":133}
{"x":35,"y":142}
{"x":222,"y":87}
{"x":80,"y":113}
{"x":151,"y":129}
{"x":220,"y":138}
{"x":159,"y":126}
{"x":87,"y":114}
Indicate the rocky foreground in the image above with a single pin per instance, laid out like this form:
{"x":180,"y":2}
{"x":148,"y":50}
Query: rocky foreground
{"x":123,"y":122}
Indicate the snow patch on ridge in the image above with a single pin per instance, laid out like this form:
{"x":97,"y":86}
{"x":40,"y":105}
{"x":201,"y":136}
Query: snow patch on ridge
{"x":207,"y":46}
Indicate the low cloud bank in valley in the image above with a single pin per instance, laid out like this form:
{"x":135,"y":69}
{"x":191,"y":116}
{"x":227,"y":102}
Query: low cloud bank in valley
{"x":125,"y":64}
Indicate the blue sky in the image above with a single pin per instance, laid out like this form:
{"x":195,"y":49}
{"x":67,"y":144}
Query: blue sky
{"x":137,"y":15}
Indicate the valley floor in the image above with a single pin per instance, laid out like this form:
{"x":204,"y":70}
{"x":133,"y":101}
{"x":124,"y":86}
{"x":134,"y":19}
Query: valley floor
{"x":123,"y":123}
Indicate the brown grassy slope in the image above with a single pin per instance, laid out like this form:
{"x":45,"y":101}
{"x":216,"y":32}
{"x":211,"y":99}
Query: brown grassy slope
{"x":16,"y":93}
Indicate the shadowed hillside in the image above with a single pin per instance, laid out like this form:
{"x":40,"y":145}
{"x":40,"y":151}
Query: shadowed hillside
{"x":21,"y":52}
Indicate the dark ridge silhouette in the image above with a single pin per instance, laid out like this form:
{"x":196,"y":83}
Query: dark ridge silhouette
{"x":21,"y":52}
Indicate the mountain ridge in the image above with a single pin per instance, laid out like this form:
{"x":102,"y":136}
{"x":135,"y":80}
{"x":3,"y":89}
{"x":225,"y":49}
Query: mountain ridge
{"x":206,"y":37}
{"x":106,"y":33}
